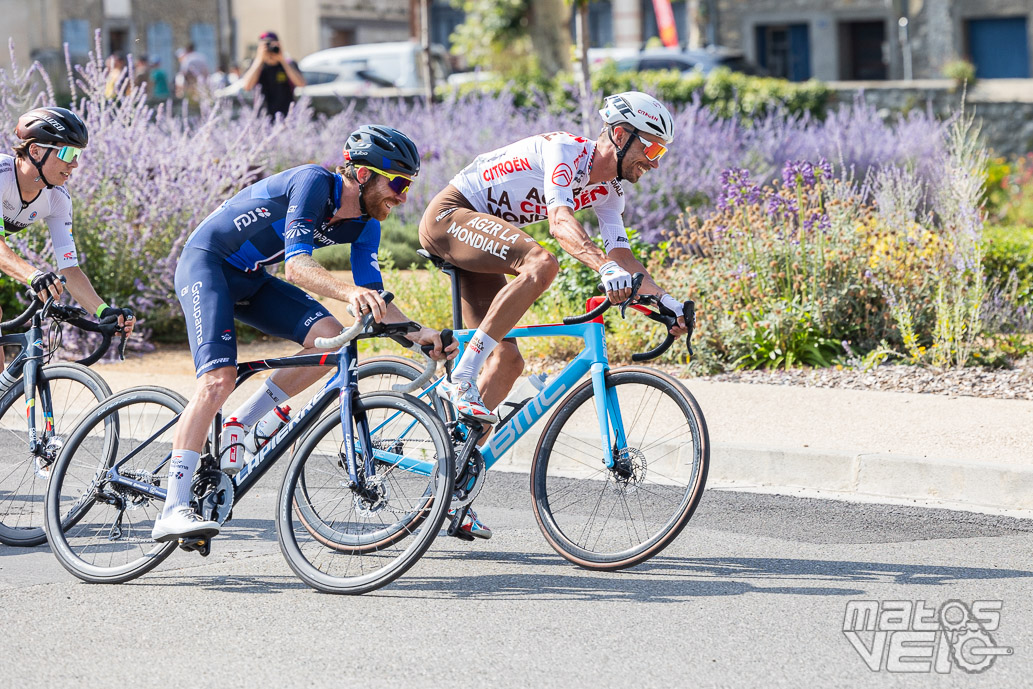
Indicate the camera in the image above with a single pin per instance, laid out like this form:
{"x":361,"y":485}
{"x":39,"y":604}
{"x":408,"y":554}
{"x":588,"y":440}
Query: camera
{"x":274,"y":48}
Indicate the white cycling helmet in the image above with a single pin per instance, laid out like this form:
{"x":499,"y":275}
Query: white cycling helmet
{"x":641,"y":111}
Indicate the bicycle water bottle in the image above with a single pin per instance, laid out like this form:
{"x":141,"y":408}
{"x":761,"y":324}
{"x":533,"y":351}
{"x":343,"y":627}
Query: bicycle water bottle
{"x":231,"y":460}
{"x":266,"y":428}
{"x":521,"y":395}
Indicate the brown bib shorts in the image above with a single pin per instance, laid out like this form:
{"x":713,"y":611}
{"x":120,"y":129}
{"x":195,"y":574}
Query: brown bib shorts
{"x":485,"y":248}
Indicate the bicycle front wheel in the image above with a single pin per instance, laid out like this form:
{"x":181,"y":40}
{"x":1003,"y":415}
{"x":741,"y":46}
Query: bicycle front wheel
{"x":609,"y":518}
{"x":99,"y":530}
{"x":74,"y":391}
{"x":340,"y":538}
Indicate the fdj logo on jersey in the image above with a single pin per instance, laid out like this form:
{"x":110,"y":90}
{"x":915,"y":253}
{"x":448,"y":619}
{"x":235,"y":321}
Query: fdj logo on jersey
{"x":911,"y":636}
{"x":245,"y":219}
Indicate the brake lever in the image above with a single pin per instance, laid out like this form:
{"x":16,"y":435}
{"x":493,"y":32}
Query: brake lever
{"x":689,"y":312}
{"x":636,"y":283}
{"x":123,"y":341}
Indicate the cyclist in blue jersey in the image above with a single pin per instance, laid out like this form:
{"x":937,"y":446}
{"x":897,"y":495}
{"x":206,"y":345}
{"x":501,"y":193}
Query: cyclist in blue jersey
{"x":221,"y":276}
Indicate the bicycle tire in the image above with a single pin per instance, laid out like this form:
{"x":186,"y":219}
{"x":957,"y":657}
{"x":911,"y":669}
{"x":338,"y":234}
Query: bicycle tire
{"x":74,"y":391}
{"x":79,"y":526}
{"x":380,"y":373}
{"x":601,"y":518}
{"x":376,"y":374}
{"x":321,"y":525}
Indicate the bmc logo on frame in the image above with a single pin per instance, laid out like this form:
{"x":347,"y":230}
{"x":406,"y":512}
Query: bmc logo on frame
{"x":912,"y":637}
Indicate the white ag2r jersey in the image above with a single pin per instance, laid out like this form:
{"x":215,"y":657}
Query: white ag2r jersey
{"x":52,"y":205}
{"x":521,"y":182}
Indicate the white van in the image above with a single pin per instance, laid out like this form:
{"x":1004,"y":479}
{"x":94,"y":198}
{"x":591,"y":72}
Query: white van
{"x":371,"y":70}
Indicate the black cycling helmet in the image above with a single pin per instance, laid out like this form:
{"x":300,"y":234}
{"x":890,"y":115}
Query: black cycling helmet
{"x":384,"y":148}
{"x":57,"y":126}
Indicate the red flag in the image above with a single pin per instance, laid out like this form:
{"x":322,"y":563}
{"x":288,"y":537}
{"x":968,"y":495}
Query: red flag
{"x":665,"y":22}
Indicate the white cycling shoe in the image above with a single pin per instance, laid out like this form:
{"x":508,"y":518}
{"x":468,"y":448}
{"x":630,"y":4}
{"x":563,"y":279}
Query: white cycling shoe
{"x":183,"y":522}
{"x":465,"y":397}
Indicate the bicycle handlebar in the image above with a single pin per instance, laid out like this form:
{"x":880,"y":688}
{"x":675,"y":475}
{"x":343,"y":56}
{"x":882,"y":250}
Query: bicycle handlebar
{"x":23,"y":318}
{"x":639,"y":303}
{"x":430,"y":366}
{"x":366,"y":326}
{"x":75,"y":316}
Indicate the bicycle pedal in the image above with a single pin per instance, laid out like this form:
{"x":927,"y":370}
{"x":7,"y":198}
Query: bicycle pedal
{"x":460,"y":534}
{"x":454,"y":526}
{"x":201,"y":545}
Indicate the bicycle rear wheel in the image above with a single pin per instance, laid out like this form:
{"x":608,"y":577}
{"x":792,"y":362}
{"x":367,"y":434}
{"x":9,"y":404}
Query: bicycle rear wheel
{"x":381,"y":373}
{"x":611,"y":518}
{"x":74,"y":391}
{"x":340,"y":541}
{"x":101,"y":531}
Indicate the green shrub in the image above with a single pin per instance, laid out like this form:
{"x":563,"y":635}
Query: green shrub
{"x":1008,"y":260}
{"x":730,"y":94}
{"x":961,"y":71}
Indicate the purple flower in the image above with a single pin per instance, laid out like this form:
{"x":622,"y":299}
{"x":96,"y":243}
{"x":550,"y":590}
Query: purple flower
{"x":798,"y":173}
{"x":737,"y":189}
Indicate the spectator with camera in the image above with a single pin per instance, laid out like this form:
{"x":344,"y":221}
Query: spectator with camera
{"x":275,"y":73}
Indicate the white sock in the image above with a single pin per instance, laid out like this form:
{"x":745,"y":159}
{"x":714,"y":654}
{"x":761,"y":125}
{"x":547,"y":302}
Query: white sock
{"x":260,"y":404}
{"x":181,"y":472}
{"x":474,"y":356}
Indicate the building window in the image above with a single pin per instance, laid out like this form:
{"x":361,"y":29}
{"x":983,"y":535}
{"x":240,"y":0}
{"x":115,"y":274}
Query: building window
{"x":443,"y":21}
{"x":600,"y":24}
{"x":998,"y":47}
{"x":203,"y":38}
{"x":863,"y":51}
{"x":160,"y":45}
{"x":784,"y":50}
{"x":76,"y":33}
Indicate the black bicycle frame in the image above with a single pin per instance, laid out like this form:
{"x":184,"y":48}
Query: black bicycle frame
{"x":344,"y":381}
{"x":28,"y":363}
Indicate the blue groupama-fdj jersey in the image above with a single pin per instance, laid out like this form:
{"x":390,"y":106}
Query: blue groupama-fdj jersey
{"x":221,"y":274}
{"x":286,"y":215}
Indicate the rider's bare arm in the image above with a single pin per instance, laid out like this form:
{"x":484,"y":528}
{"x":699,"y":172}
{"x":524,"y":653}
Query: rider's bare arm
{"x":81,"y":289}
{"x":14,"y":265}
{"x":305,"y":272}
{"x":573,"y":238}
{"x":628,"y":261}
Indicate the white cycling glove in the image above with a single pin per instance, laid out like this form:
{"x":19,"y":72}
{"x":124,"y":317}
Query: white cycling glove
{"x":673,"y":304}
{"x":614,"y":277}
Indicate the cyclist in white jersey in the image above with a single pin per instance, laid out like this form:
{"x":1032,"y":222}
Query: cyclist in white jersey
{"x":474,"y":224}
{"x":32,"y":188}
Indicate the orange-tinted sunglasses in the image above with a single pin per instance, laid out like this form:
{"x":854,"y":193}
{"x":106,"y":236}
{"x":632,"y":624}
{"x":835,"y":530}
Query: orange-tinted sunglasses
{"x":653,"y":149}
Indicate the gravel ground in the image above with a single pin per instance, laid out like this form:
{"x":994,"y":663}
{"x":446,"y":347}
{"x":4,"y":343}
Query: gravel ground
{"x":1016,"y":383}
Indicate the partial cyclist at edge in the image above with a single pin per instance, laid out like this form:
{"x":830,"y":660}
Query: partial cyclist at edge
{"x":32,"y":187}
{"x":221,"y":275}
{"x":474,"y":224}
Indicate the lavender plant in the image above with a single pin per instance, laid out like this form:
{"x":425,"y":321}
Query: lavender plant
{"x":152,"y":173}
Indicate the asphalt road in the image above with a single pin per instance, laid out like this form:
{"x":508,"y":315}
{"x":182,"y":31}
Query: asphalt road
{"x":753,"y":593}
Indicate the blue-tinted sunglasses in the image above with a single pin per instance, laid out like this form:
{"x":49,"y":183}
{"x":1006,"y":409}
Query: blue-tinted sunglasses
{"x":64,"y":153}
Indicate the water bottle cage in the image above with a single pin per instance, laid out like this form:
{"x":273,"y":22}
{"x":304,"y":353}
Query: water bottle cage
{"x":229,"y":447}
{"x":515,"y":408}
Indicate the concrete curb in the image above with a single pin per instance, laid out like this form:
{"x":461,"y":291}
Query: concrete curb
{"x":948,"y":482}
{"x":974,"y":484}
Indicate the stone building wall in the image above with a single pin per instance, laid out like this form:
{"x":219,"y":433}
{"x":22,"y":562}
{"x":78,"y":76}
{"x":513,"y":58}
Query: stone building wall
{"x":1005,"y":118}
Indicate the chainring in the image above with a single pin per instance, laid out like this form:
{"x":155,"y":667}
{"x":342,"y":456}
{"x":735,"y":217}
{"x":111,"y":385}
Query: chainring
{"x":213,"y":495}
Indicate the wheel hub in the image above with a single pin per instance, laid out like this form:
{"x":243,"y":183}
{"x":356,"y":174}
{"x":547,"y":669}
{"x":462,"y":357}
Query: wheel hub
{"x":629,"y":469}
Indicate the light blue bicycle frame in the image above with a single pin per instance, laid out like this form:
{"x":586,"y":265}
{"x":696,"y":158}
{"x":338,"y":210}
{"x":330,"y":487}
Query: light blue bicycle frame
{"x":592,"y":359}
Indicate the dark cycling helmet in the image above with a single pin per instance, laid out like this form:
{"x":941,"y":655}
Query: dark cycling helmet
{"x":57,"y":126}
{"x":384,"y":148}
